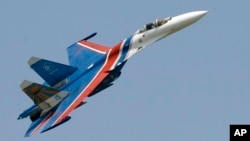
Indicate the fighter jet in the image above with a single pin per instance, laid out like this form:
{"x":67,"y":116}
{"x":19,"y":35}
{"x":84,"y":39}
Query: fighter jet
{"x":92,"y":68}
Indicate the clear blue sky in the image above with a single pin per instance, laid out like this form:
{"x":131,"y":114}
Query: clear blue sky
{"x":190,"y":86}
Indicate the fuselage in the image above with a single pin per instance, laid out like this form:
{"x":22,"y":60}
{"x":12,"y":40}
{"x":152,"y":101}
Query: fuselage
{"x":107,"y":64}
{"x":127,"y":48}
{"x":160,"y":29}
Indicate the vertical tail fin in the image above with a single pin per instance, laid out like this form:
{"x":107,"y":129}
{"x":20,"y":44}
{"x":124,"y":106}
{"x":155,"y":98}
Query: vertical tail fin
{"x":45,"y":97}
{"x":51,"y":72}
{"x":38,"y":93}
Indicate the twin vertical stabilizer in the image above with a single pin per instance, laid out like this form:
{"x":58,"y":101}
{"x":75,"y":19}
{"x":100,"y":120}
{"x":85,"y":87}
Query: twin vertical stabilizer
{"x":50,"y":71}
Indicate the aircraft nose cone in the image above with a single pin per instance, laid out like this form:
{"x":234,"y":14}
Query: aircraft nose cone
{"x":195,"y":16}
{"x":199,"y":14}
{"x":190,"y":18}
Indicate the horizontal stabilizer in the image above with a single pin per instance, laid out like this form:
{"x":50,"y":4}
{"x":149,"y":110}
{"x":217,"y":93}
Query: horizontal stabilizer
{"x":27,"y":112}
{"x":51,"y":72}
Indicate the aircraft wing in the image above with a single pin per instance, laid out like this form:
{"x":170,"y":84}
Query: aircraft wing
{"x":95,"y":75}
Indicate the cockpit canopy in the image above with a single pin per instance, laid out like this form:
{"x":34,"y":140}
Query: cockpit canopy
{"x":157,"y":23}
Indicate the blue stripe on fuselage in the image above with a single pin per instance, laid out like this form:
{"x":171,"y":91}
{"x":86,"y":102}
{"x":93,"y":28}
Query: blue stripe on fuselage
{"x":125,"y":50}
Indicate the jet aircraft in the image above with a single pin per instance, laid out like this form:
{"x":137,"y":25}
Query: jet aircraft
{"x":92,"y":68}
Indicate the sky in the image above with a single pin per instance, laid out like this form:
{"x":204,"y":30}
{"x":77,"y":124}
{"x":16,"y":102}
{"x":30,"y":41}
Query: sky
{"x":189,"y":86}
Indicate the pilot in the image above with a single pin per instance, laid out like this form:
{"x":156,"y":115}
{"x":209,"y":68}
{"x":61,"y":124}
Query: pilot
{"x":160,"y":22}
{"x":149,"y":26}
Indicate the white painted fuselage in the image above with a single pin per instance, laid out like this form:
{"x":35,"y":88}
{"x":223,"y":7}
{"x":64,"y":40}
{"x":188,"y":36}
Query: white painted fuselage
{"x":161,"y":28}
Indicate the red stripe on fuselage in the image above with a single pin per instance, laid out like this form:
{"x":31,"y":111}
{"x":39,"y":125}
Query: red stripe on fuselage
{"x":110,"y":60}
